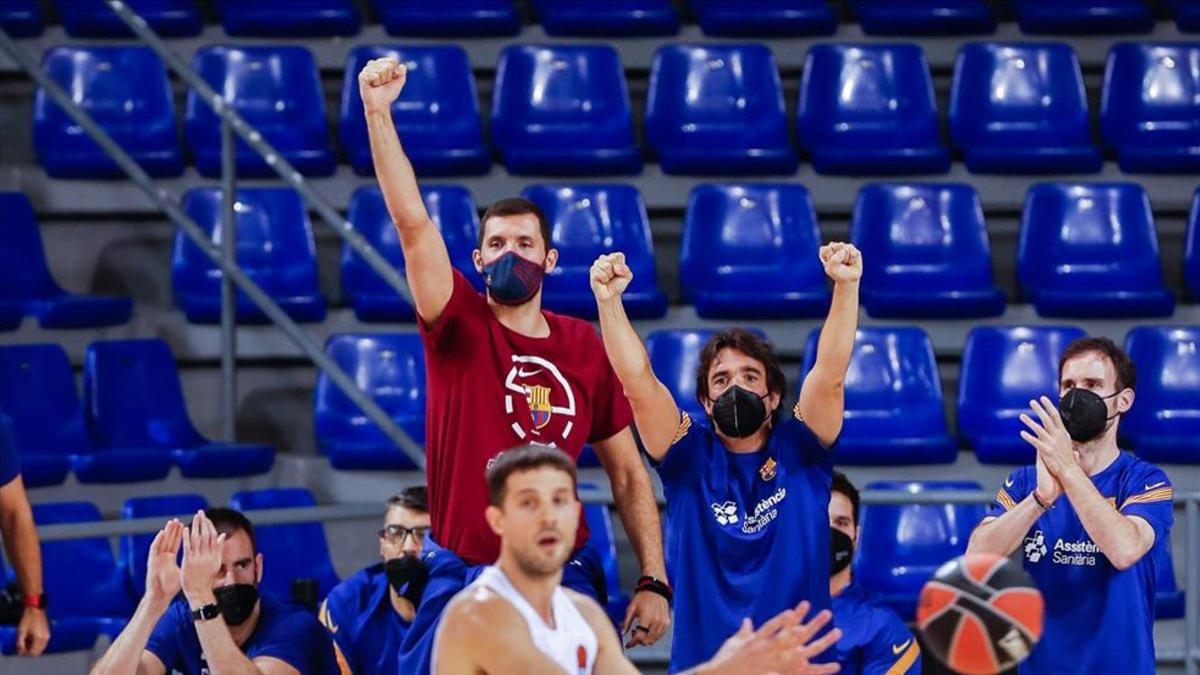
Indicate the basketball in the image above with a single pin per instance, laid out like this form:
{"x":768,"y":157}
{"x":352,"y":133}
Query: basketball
{"x":980,"y":614}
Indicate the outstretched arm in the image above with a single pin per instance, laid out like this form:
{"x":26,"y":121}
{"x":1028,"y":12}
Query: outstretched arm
{"x":19,"y":534}
{"x":427,"y":263}
{"x":823,"y":394}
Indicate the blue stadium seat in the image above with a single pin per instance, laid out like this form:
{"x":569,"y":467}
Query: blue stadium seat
{"x":275,"y":248}
{"x":717,"y":109}
{"x":37,"y":470}
{"x":587,"y":221}
{"x":275,"y":89}
{"x":126,"y":92}
{"x":1186,"y":12}
{"x":1021,"y":108}
{"x":1091,"y":250}
{"x":924,"y":17}
{"x":894,"y":409}
{"x":279,"y":544}
{"x":285,"y":18}
{"x":94,"y":18}
{"x":21,"y":19}
{"x":1083,"y":17}
{"x":38,"y":391}
{"x":600,"y":529}
{"x":11,"y":315}
{"x":388,"y":367}
{"x":27,"y":287}
{"x":1003,"y":368}
{"x":1164,"y":424}
{"x":925,"y":251}
{"x":1169,"y":600}
{"x":134,"y":548}
{"x":869,"y":109}
{"x":674,"y":357}
{"x":901,"y":546}
{"x":133,"y":399}
{"x":750,"y":252}
{"x":607,"y":17}
{"x":783,"y":18}
{"x":1150,"y":107}
{"x":563,"y":110}
{"x":436,"y":115}
{"x":450,"y":207}
{"x":461,"y":18}
{"x":1191,"y":251}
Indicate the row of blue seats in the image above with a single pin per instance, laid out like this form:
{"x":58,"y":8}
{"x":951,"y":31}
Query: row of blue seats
{"x":748,"y":252}
{"x":715,"y":109}
{"x":471,"y":18}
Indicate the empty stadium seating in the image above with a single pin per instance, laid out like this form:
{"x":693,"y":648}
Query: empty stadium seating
{"x":1191,"y":251}
{"x":590,"y":220}
{"x":600,"y":535}
{"x":607,"y":17}
{"x":133,"y":399}
{"x":450,"y":208}
{"x":1021,"y":108}
{"x":135,"y":548}
{"x":280,"y":18}
{"x":21,"y":18}
{"x":436,"y":115}
{"x":1083,"y":16}
{"x":461,"y":18}
{"x":1164,"y":424}
{"x":925,"y":252}
{"x":38,"y":391}
{"x":275,"y":248}
{"x":923,"y":17}
{"x":389,"y":368}
{"x":94,"y":18}
{"x":37,"y":470}
{"x":563,"y":110}
{"x":291,"y":551}
{"x":1150,"y":107}
{"x":1003,"y":368}
{"x":275,"y":89}
{"x":27,"y":287}
{"x":1187,"y":14}
{"x":901,"y":546}
{"x":717,"y":109}
{"x":674,"y":357}
{"x":125,"y":91}
{"x":869,"y":109}
{"x":1091,"y":250}
{"x":750,"y":251}
{"x":894,"y":409}
{"x":719,"y":18}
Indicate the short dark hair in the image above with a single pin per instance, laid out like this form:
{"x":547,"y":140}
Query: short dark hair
{"x":524,"y":458}
{"x":843,"y":485}
{"x":228,"y":521}
{"x":516,"y":206}
{"x":751,"y":345}
{"x":414,"y":497}
{"x":1126,"y":374}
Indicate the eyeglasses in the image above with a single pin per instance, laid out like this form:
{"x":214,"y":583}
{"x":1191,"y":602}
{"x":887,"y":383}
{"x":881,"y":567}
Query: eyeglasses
{"x":396,"y":534}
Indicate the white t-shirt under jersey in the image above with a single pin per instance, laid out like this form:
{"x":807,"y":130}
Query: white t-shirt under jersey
{"x":571,"y":644}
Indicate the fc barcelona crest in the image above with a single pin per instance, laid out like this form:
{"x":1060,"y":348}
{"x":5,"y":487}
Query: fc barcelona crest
{"x":767,"y":470}
{"x":539,"y":405}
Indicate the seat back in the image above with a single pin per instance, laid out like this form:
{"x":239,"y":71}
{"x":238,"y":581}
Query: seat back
{"x":1167,"y":362}
{"x":135,"y":548}
{"x":21,"y":18}
{"x":316,"y":18}
{"x":600,"y":529}
{"x":94,"y":18}
{"x":24,"y":275}
{"x":279,"y":544}
{"x":764,"y":17}
{"x":1191,"y":250}
{"x":608,"y":17}
{"x":1151,"y":96}
{"x":133,"y":398}
{"x":390,"y":368}
{"x":461,"y":18}
{"x":923,"y":17}
{"x":37,"y":389}
{"x":72,"y":565}
{"x":674,"y":357}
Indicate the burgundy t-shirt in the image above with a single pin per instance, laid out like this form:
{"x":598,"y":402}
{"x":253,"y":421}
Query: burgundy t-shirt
{"x":490,"y":389}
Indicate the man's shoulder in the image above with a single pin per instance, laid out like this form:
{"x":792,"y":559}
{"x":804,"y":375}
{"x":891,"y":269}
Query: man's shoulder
{"x":478,"y":610}
{"x":1134,"y":469}
{"x":357,"y":589}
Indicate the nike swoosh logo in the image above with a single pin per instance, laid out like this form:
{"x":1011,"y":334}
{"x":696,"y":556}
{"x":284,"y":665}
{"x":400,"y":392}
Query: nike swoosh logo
{"x":1159,"y":484}
{"x":527,"y":373}
{"x":1008,"y":483}
{"x":897,"y":649}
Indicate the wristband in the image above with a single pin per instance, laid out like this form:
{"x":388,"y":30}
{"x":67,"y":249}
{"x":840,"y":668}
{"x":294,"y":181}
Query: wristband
{"x":656,"y":586}
{"x":1037,"y":500}
{"x":35,"y":601}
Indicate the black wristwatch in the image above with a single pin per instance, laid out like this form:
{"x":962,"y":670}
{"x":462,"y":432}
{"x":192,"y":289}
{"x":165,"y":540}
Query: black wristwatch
{"x":206,"y":612}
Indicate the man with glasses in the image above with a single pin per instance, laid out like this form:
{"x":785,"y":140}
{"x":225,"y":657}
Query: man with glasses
{"x":369,"y":613}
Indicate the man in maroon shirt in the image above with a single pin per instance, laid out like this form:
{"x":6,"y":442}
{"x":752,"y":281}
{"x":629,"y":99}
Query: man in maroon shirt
{"x":502,"y":373}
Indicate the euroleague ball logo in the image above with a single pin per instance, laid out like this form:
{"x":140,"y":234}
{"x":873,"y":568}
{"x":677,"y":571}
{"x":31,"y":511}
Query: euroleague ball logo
{"x":548,"y":413}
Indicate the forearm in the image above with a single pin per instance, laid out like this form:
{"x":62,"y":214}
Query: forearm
{"x":397,"y":180}
{"x":21,"y":545}
{"x":624,"y":348}
{"x":1115,"y":534}
{"x":634,"y":495}
{"x":125,"y":654}
{"x":1003,"y":535}
{"x":223,"y":655}
{"x":837,"y":335}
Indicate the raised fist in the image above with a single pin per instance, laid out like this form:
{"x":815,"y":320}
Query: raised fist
{"x":842,"y":262}
{"x":610,"y":276}
{"x":380,"y":82}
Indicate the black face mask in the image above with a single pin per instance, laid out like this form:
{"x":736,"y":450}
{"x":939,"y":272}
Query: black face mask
{"x":841,"y":550}
{"x":739,"y":413}
{"x":407,"y":576}
{"x":236,"y":602}
{"x":1084,"y":414}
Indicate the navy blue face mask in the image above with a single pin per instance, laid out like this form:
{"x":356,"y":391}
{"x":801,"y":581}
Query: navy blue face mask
{"x":513,"y":280}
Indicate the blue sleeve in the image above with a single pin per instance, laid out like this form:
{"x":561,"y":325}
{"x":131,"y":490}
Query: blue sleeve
{"x":164,"y":640}
{"x":333,"y":617}
{"x":10,"y":463}
{"x":1148,"y":494}
{"x":1015,"y":489}
{"x":892,"y":650}
{"x":298,"y":640}
{"x":806,"y":442}
{"x":685,"y":454}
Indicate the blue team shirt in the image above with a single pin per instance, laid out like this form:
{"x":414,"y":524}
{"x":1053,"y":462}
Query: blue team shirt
{"x":285,"y":632}
{"x":748,"y":532}
{"x":10,"y":463}
{"x":1098,"y":618}
{"x":874,"y":640}
{"x":366,"y":629}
